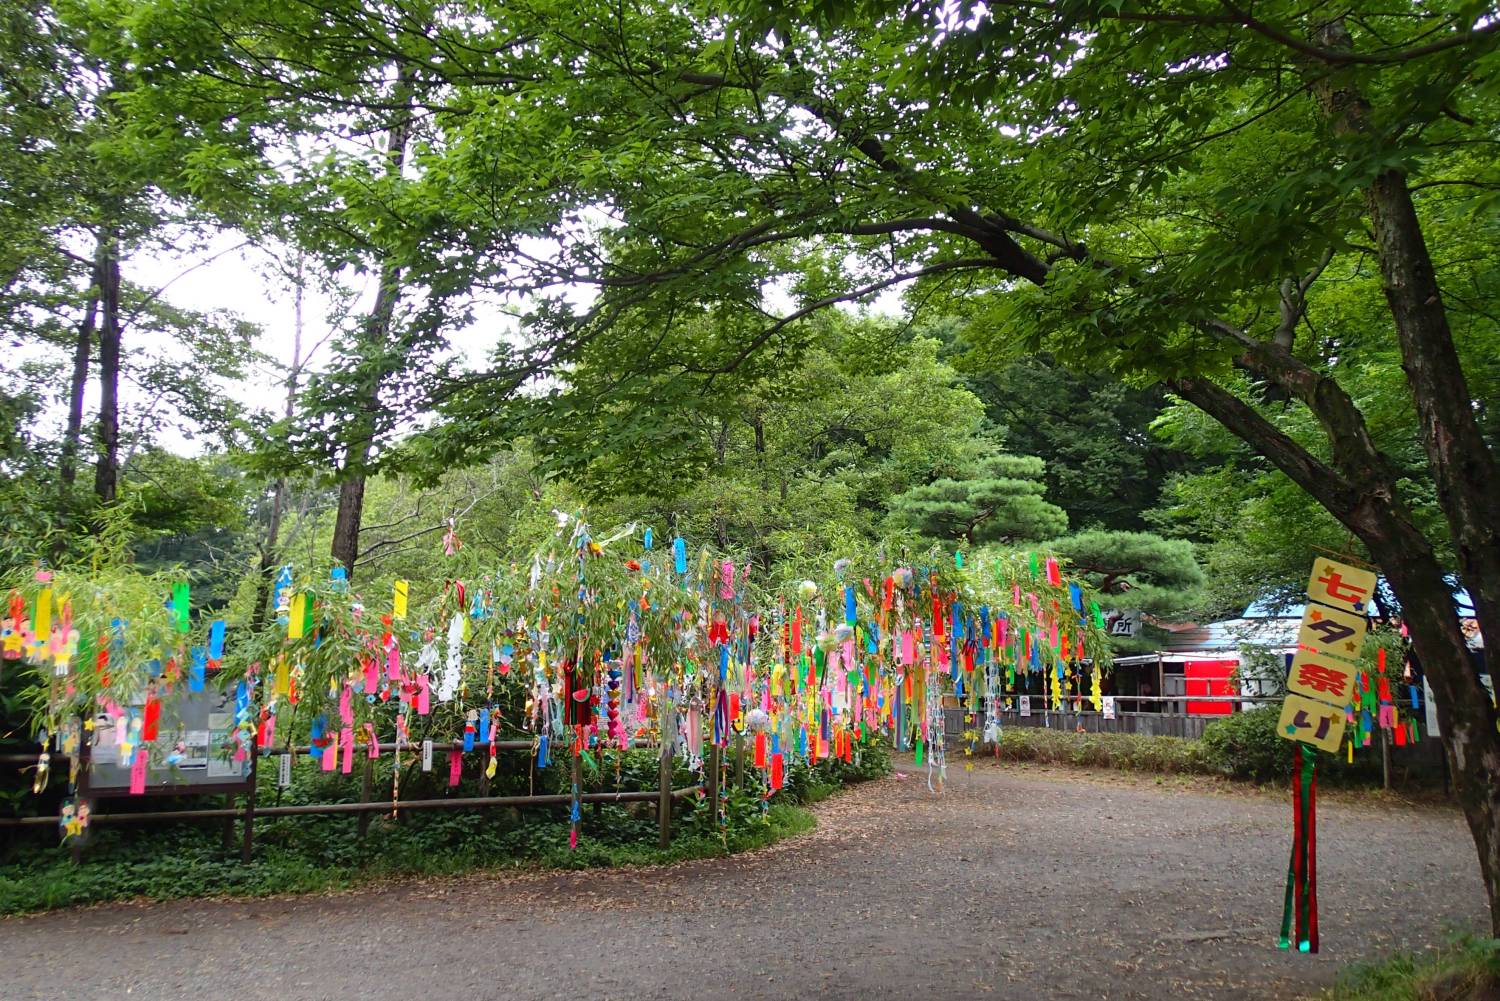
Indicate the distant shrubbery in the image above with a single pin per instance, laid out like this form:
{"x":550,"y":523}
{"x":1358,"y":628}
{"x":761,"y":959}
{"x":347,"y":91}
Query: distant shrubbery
{"x":1126,"y":751}
{"x":1242,"y":746}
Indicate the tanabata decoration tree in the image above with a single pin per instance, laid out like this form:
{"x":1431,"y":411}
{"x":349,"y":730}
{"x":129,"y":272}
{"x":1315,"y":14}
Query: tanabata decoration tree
{"x":597,"y":643}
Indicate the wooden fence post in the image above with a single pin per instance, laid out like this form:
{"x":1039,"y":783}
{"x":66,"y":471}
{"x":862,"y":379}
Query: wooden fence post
{"x":1385,"y":758}
{"x":366,"y":789}
{"x":664,"y":786}
{"x":713,"y":779}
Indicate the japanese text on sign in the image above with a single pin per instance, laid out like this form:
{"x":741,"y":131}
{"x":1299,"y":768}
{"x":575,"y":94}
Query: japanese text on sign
{"x":1311,"y":722}
{"x":1331,"y":632}
{"x":1341,"y":586}
{"x":1321,"y":678}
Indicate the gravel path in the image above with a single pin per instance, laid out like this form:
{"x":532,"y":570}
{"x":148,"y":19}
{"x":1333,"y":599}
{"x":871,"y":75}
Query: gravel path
{"x":1016,"y":883}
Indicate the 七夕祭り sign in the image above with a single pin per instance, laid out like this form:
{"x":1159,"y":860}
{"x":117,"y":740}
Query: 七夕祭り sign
{"x":1321,"y":683}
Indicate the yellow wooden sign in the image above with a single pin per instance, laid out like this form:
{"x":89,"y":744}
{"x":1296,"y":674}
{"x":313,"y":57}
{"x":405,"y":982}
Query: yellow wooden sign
{"x":1322,"y":678}
{"x":1341,"y":585}
{"x":1331,"y":632}
{"x":1311,"y":723}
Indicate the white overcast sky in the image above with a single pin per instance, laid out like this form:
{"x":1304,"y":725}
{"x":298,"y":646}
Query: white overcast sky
{"x":246,"y":281}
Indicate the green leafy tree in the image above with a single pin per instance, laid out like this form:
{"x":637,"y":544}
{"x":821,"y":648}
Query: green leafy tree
{"x":779,"y":458}
{"x":83,"y":190}
{"x":1105,"y":467}
{"x":1159,"y":194}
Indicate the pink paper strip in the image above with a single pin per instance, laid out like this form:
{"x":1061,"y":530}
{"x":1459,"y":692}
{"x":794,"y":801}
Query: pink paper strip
{"x":372,"y":676}
{"x":393,"y":661}
{"x":372,"y":748}
{"x":346,"y":706}
{"x":346,"y":740}
{"x":455,"y":766}
{"x":331,"y":755}
{"x":138,"y":771}
{"x":424,"y":695}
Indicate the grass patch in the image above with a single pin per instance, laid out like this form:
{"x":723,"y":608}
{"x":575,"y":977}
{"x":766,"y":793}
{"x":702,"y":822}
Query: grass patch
{"x":1467,"y":969}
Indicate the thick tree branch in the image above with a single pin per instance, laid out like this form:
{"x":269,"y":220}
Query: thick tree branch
{"x":1342,"y":56}
{"x":1293,"y":302}
{"x":1304,"y":469}
{"x":961,"y":264}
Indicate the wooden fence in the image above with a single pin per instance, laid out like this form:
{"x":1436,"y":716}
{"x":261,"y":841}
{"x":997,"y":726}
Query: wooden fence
{"x":247,"y":810}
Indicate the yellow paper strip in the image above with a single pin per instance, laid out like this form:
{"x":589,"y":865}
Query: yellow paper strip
{"x":41,"y":623}
{"x":295,"y":617}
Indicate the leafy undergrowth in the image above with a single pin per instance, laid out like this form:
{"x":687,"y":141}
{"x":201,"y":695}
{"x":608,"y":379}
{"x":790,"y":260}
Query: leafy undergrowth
{"x":315,"y":853}
{"x":324,"y":853}
{"x":1468,"y":969}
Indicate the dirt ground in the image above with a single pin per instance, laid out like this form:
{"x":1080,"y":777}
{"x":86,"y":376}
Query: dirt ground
{"x":1015,"y":883}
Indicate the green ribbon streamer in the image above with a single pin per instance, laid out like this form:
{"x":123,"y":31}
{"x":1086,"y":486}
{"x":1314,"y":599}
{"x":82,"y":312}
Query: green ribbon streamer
{"x":1299,"y":906}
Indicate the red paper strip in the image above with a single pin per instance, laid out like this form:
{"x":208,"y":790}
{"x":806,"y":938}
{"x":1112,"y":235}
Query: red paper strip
{"x":151,"y":720}
{"x":455,"y":767}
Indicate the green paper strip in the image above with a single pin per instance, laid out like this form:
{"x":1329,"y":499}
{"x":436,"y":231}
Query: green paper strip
{"x":180,"y":605}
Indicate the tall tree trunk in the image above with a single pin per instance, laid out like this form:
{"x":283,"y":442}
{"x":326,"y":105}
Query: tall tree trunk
{"x":345,"y":548}
{"x":1369,"y":505}
{"x":83,"y":348}
{"x":1464,"y":469}
{"x":107,"y":468}
{"x":1463,"y":707}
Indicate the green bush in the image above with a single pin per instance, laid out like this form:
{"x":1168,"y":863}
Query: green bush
{"x":808,"y":784}
{"x":1124,"y":751}
{"x":1246,"y":746}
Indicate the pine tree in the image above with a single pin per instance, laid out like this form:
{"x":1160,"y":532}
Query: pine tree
{"x":1000,"y":500}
